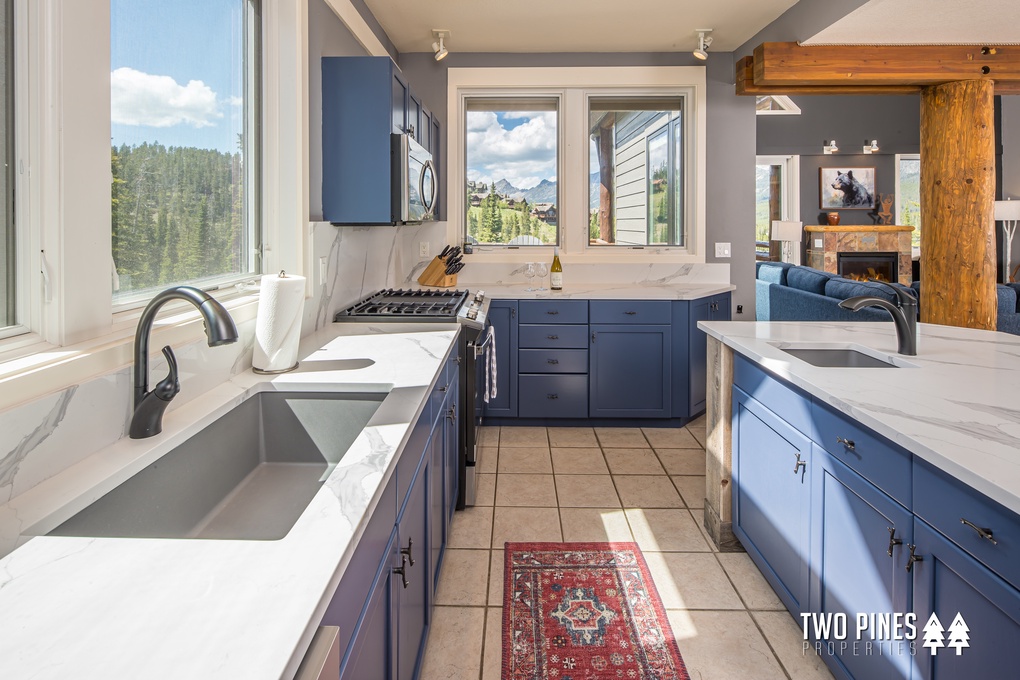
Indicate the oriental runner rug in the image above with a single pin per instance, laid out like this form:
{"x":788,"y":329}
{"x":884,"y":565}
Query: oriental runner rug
{"x":584,"y":611}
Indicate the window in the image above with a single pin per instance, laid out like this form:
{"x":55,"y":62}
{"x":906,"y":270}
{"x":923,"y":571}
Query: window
{"x":776,"y":197}
{"x":8,"y":246}
{"x":775,"y":105}
{"x":511,"y":160}
{"x":636,"y":156}
{"x":908,"y":194}
{"x":185,"y":153}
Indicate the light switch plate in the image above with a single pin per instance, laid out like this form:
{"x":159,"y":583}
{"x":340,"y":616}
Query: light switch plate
{"x":818,"y":243}
{"x":722,"y":249}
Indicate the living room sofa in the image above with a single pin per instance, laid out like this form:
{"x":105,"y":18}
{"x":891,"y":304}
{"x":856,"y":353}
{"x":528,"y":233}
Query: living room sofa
{"x":786,"y":292}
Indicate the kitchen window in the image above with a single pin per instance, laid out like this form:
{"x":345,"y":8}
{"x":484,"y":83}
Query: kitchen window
{"x":511,"y":156}
{"x":9,"y":311}
{"x":185,"y":154}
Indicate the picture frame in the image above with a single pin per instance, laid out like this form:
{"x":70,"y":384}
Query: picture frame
{"x":845,"y":188}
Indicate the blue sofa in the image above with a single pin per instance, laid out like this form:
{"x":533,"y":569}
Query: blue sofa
{"x":786,"y":292}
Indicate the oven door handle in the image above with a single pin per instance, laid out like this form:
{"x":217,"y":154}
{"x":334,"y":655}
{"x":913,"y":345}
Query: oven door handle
{"x":480,"y":349}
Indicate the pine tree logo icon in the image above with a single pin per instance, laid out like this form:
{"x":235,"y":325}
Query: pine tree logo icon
{"x":933,"y":634}
{"x":959,"y":634}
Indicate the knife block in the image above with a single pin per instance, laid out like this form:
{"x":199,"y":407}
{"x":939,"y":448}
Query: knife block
{"x":435,"y":275}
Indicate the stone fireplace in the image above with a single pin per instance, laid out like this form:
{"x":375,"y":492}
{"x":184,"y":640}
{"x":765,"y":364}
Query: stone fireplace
{"x":864,"y":266}
{"x":853,"y":249}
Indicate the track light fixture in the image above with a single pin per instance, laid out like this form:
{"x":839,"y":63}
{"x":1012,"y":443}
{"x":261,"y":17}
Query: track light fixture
{"x":870,"y":147}
{"x":704,"y":42}
{"x":438,"y":47}
{"x":830,"y":147}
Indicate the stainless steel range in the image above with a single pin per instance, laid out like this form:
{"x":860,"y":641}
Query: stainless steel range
{"x":475,"y":337}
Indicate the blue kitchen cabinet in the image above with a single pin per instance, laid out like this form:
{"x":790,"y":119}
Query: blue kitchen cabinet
{"x":410,"y":581}
{"x":630,"y":371}
{"x":771,"y":471}
{"x":552,"y":359}
{"x":714,"y":308}
{"x":503,"y":318}
{"x":370,"y":656}
{"x":859,"y":539}
{"x":435,"y":146}
{"x":443,"y":452}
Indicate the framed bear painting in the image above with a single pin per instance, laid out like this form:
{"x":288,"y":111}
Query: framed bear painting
{"x":847,"y":188}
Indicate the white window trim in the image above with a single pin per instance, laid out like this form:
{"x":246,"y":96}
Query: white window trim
{"x":575,"y":85}
{"x":791,"y":183}
{"x":64,"y":203}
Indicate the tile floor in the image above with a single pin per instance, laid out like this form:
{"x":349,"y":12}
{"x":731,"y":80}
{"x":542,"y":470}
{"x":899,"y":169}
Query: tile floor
{"x":609,"y":484}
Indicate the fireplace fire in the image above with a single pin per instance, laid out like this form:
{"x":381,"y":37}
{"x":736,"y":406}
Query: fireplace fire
{"x":864,"y":266}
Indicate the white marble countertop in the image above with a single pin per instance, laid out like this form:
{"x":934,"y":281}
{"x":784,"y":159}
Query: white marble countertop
{"x":953,"y":405}
{"x":170,"y":608}
{"x":597,"y":291}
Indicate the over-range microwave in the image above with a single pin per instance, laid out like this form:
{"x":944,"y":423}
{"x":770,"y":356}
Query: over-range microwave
{"x":415,"y":184}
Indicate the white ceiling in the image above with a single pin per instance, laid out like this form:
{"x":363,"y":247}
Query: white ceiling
{"x":926,"y":22}
{"x":574,"y":25}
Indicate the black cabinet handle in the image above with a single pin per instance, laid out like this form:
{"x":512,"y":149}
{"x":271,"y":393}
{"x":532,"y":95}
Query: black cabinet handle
{"x":553,"y":361}
{"x":409,"y":551}
{"x":444,"y":388}
{"x":402,"y":570}
{"x":552,"y":396}
{"x":893,"y":541}
{"x":593,"y":337}
{"x":452,"y":413}
{"x":513,"y":312}
{"x":553,"y":312}
{"x":849,"y":443}
{"x":982,"y":532}
{"x":630,"y":313}
{"x":913,"y":558}
{"x":553,"y":337}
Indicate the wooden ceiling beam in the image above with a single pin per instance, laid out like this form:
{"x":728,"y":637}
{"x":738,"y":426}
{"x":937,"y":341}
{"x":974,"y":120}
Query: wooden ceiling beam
{"x":747,"y":87}
{"x":779,"y":64}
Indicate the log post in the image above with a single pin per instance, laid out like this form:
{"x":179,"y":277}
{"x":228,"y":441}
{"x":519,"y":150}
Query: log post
{"x":957,"y":204}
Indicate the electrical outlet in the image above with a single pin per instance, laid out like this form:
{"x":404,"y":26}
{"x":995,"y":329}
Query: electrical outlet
{"x":818,"y":243}
{"x":322,"y":270}
{"x":423,"y":248}
{"x":722,"y":249}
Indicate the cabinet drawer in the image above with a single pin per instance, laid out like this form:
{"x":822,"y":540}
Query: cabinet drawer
{"x":944,"y":503}
{"x":630,"y":311}
{"x":554,"y":311}
{"x":553,"y":361}
{"x":552,"y":336}
{"x":784,"y":400}
{"x":553,"y":396}
{"x":875,"y":458}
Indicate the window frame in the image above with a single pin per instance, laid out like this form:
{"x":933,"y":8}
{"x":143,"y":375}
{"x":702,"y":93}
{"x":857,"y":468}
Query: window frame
{"x":898,"y":203}
{"x":576,"y":84}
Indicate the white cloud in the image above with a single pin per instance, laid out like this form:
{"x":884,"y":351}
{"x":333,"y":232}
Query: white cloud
{"x":524,"y":155}
{"x":159,"y":101}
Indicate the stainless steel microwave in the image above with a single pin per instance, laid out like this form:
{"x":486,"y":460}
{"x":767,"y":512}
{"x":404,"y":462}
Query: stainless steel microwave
{"x":415,"y":184}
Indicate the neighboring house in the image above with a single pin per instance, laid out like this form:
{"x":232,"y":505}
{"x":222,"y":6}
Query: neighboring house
{"x":545,"y":212}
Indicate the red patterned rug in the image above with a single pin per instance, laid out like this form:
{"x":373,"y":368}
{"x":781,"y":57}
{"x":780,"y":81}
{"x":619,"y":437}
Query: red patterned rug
{"x":584,"y":611}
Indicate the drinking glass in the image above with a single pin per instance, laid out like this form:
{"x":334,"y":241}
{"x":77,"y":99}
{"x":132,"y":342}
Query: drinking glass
{"x":543,"y":271}
{"x":529,"y":274}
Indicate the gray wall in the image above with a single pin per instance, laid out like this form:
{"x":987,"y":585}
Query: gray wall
{"x":327,"y":37}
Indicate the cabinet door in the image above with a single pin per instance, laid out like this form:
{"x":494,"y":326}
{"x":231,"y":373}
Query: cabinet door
{"x":858,"y":540}
{"x":414,"y":126}
{"x":451,"y":452}
{"x":370,"y":656}
{"x":399,"y":102}
{"x":426,"y":128}
{"x":949,"y":582}
{"x":630,"y":371}
{"x":720,"y":307}
{"x":700,"y":310}
{"x":411,"y":601}
{"x":772,"y":494}
{"x":437,"y":497}
{"x":503,"y":317}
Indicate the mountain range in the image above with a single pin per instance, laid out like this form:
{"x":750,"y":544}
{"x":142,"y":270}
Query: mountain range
{"x":544,"y":191}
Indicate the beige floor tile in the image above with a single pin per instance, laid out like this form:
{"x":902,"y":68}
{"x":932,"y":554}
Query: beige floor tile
{"x":487,"y":435}
{"x":786,"y":638}
{"x":486,"y":489}
{"x":633,"y":462}
{"x":471,"y":528}
{"x":698,"y":433}
{"x":488,"y":458}
{"x":454,"y":650}
{"x":523,"y":436}
{"x":666,"y":531}
{"x":526,"y":490}
{"x":496,"y":566}
{"x":670,"y":438}
{"x":459,"y":583}
{"x":647,"y":491}
{"x":682,"y":461}
{"x":699,"y":518}
{"x":525,"y":459}
{"x":723,"y":646}
{"x":586,"y":491}
{"x":584,"y":525}
{"x":699,"y":422}
{"x":691,"y":581}
{"x":579,"y":461}
{"x":572,"y":436}
{"x":525,"y":525}
{"x":621,"y":437}
{"x":692,"y":489}
{"x":752,"y":586}
{"x":492,"y":659}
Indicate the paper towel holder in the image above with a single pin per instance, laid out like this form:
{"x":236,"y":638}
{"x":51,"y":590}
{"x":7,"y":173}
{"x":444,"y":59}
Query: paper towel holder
{"x":277,"y":371}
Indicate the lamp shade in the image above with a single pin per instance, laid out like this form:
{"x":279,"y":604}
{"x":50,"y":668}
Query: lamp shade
{"x":783,"y":230}
{"x":1004,"y":210}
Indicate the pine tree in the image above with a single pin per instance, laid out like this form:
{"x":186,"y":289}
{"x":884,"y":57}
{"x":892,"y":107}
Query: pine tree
{"x":933,"y":634}
{"x":959,"y":634}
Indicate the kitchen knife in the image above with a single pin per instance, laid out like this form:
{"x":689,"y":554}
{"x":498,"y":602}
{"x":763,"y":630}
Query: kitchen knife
{"x":453,"y":260}
{"x":457,"y":267}
{"x":442,"y":255}
{"x":455,"y":251}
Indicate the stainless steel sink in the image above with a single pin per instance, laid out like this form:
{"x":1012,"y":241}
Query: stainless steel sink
{"x":248,"y":475}
{"x":830,"y":357}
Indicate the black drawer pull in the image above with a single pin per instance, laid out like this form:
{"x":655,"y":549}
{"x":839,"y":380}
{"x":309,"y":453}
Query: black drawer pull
{"x":630,"y":313}
{"x":553,"y":337}
{"x":553,"y":361}
{"x":893,"y":541}
{"x":849,"y":443}
{"x":444,"y":388}
{"x":913,"y":558}
{"x":982,"y":532}
{"x":552,"y":396}
{"x":409,"y":551}
{"x":402,"y":570}
{"x":553,"y":312}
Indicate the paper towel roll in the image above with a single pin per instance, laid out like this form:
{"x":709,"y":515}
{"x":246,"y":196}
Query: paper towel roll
{"x":278,"y":323}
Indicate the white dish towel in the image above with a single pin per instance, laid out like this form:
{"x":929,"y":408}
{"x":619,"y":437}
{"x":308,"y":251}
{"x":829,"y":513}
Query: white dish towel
{"x":490,"y":366}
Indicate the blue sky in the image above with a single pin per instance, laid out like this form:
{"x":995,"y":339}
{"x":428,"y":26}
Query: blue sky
{"x":519,"y":146}
{"x":176,"y":72}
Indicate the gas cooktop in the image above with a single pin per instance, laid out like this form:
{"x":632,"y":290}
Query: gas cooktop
{"x":413,"y":305}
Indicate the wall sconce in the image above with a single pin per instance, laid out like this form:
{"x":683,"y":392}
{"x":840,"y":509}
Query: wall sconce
{"x":704,"y":42}
{"x":830,"y":147}
{"x":1007,"y":212}
{"x":870,"y":147}
{"x":790,"y":234}
{"x":438,"y":47}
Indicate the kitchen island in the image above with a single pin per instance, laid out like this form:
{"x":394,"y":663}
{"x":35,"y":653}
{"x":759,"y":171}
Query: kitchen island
{"x":892,"y":490}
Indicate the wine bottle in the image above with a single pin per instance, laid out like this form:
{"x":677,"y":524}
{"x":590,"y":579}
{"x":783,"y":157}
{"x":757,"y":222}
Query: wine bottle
{"x":556,"y":271}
